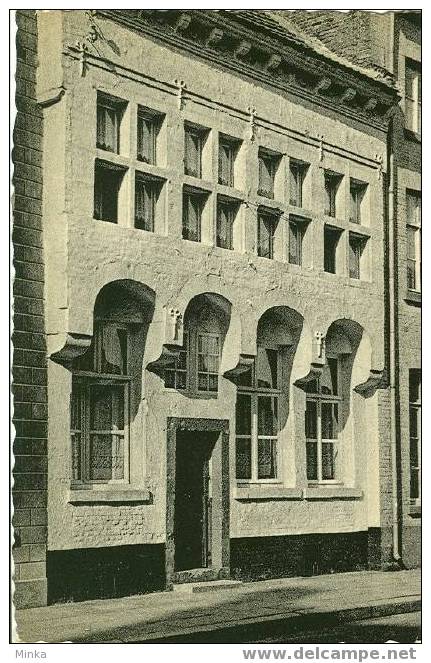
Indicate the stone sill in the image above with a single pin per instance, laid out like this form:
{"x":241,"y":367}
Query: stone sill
{"x":271,"y":492}
{"x":413,"y":297}
{"x":109,"y":496}
{"x":332,"y":493}
{"x":267,"y":492}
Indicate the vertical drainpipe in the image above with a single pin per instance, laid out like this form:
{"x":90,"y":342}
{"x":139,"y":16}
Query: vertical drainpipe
{"x":393,"y":320}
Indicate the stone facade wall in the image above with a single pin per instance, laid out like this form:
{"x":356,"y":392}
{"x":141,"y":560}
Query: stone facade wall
{"x":29,"y":356}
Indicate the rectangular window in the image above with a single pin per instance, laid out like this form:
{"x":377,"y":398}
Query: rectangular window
{"x":415,"y":434}
{"x":267,"y":224}
{"x":148,"y":126}
{"x":176,"y":374}
{"x":267,"y":169}
{"x":322,"y":424}
{"x":146,"y":196}
{"x":226,"y":212}
{"x":107,"y":182}
{"x":226,"y":161}
{"x":332,"y":182}
{"x":356,"y":248}
{"x":357,"y":193}
{"x":297,"y":176}
{"x":109,"y":113}
{"x":413,"y":213}
{"x":193,"y":204}
{"x":193,"y":146}
{"x":257,"y":419}
{"x":413,"y":96}
{"x":296,"y":234}
{"x":208,"y":362}
{"x":99,"y":407}
{"x":331,"y":238}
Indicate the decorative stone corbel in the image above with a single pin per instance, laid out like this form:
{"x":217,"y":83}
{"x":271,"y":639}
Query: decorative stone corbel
{"x":243,"y":48}
{"x":183,"y":22}
{"x":321,"y":147}
{"x":323,"y":84}
{"x":173,"y":340}
{"x":370,"y":105}
{"x":379,"y":159}
{"x":348,"y":95}
{"x":244,"y":364}
{"x":181,"y":87}
{"x":74,"y":346}
{"x":374,"y":381}
{"x":215,"y":36}
{"x":274,"y":62}
{"x":318,"y":360}
{"x":83,"y":52}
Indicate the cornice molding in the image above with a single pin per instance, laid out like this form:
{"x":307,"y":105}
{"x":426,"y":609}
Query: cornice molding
{"x":286,"y":66}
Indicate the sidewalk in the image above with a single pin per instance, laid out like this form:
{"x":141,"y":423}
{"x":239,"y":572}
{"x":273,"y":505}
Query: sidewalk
{"x":237,"y":614}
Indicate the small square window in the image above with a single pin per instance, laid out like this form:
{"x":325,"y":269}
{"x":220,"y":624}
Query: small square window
{"x":267,"y":224}
{"x":356,"y":249}
{"x":226,"y":213}
{"x":148,"y":127}
{"x":332,"y":183}
{"x":298,"y":171}
{"x":268,"y":164}
{"x":193,"y":206}
{"x":193,"y":146}
{"x":227,"y":152}
{"x":331,"y":238}
{"x":107,"y":182}
{"x":147,"y":193}
{"x":109,"y":113}
{"x":357,"y":195}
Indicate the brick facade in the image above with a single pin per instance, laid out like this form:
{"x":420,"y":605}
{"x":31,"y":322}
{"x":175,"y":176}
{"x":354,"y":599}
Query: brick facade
{"x":29,"y":355}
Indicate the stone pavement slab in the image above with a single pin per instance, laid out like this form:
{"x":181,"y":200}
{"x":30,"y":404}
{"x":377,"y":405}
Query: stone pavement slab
{"x":170,"y":615}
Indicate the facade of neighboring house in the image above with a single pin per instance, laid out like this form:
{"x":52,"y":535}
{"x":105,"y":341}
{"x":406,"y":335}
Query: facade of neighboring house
{"x":200,"y":255}
{"x":391,"y":42}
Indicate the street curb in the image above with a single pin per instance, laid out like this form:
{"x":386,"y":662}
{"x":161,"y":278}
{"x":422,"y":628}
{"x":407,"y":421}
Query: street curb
{"x":276,"y":626}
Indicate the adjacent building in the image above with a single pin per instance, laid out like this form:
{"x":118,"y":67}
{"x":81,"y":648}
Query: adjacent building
{"x":202,"y":369}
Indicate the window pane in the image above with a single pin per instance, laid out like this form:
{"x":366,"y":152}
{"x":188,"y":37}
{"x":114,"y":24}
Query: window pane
{"x":414,"y":484}
{"x":267,"y":459}
{"x":266,"y":176}
{"x":354,"y":257}
{"x":311,"y":461}
{"x":414,"y":386}
{"x":411,"y":242}
{"x":243,"y":414}
{"x":330,"y":241}
{"x":108,"y":127}
{"x":146,"y":139}
{"x":145,"y":205}
{"x":225,"y":216}
{"x":296,"y":182}
{"x":414,"y":450}
{"x":329,"y":421}
{"x":411,"y":274}
{"x":266,"y":229}
{"x":328,"y":460}
{"x":75,"y":426}
{"x":311,"y":420}
{"x":225,"y":161}
{"x":243,"y":459}
{"x":267,"y":368}
{"x":295,"y":244}
{"x":106,"y":457}
{"x":193,"y":152}
{"x":106,"y":188}
{"x":106,"y":407}
{"x":331,"y":185}
{"x":192,"y":211}
{"x":267,"y":415}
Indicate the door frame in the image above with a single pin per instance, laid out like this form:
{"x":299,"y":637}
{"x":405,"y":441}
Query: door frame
{"x":220,"y":562}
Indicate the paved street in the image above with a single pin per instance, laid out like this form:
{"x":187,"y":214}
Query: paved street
{"x":404,"y":628}
{"x":248,"y":611}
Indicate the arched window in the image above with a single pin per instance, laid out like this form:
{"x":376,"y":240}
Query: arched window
{"x":99,"y":407}
{"x":322,"y":418}
{"x":257,"y":413}
{"x":196,"y":368}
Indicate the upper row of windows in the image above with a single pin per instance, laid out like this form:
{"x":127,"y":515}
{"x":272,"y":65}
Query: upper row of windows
{"x":149,"y":123}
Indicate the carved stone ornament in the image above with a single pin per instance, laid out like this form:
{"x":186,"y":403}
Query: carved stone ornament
{"x":245,"y":362}
{"x":180,"y":92}
{"x":215,"y":37}
{"x":74,"y":346}
{"x":252,"y":123}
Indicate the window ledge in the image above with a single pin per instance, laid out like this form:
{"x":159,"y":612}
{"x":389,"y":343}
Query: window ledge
{"x":413,"y":297}
{"x":328,"y":492}
{"x":87,"y":495}
{"x":415,"y":511}
{"x":267,"y":491}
